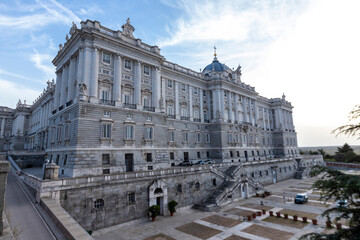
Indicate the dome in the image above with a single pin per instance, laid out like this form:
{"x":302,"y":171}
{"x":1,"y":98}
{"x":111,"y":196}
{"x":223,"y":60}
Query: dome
{"x":216,"y":66}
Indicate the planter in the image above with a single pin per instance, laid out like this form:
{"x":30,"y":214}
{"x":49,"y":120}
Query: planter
{"x":278,"y":214}
{"x":258,"y":213}
{"x":286,"y":216}
{"x":153,"y":219}
{"x":314,"y":221}
{"x":271,"y":213}
{"x":249,"y":218}
{"x":328,"y":224}
{"x":267,"y":193}
{"x":304,"y":219}
{"x":254,"y":215}
{"x":338,"y":225}
{"x":263,"y":211}
{"x":171,"y":213}
{"x":295,"y":218}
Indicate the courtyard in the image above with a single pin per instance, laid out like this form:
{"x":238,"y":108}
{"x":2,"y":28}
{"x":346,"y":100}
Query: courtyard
{"x":231,"y":222}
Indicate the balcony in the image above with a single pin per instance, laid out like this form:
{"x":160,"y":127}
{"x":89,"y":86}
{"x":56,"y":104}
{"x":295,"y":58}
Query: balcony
{"x":197,"y":120}
{"x":129,"y":105}
{"x":69,"y":103}
{"x":61,"y":108}
{"x":171,"y":116}
{"x":107,"y":102}
{"x":54,"y":111}
{"x":150,"y":109}
{"x":185,"y":118}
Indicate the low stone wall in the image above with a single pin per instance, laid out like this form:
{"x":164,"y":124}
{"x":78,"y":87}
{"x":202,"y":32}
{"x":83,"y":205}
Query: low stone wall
{"x":343,"y":166}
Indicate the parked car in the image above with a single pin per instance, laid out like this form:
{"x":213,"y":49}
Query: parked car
{"x":341,"y":204}
{"x":201,"y":162}
{"x":301,"y":198}
{"x":209,"y":161}
{"x":185,"y":163}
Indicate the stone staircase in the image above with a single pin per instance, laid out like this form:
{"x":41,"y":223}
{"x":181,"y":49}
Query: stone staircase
{"x":223,"y":194}
{"x":299,"y":173}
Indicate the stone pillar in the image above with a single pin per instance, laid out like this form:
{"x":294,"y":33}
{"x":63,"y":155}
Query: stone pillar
{"x":79,"y":77}
{"x":137,"y":83}
{"x":236,"y":108}
{"x":57,"y":90}
{"x":2,"y":127}
{"x":86,"y":71}
{"x":230,"y":108}
{"x":4,"y":169}
{"x":215,"y":107}
{"x":191,"y":111}
{"x":163,"y":97}
{"x":70,"y":82}
{"x":51,"y":171}
{"x":177,"y":101}
{"x":256,"y":113}
{"x":244,"y":100}
{"x":291,"y":122}
{"x":156,"y":88}
{"x":201,"y":92}
{"x":64,"y":85}
{"x":117,"y":80}
{"x":251,"y":112}
{"x":222,"y":105}
{"x":268,"y":116}
{"x":94,"y":76}
{"x":263,"y":113}
{"x":210,"y":111}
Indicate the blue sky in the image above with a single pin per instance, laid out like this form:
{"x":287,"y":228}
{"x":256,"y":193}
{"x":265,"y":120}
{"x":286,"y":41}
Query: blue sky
{"x":307,"y":49}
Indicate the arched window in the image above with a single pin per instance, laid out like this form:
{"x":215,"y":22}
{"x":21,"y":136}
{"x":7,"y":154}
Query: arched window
{"x":158,"y":191}
{"x":99,"y":203}
{"x":197,"y":185}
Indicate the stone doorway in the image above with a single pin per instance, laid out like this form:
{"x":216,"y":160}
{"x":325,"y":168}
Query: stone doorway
{"x":158,"y":196}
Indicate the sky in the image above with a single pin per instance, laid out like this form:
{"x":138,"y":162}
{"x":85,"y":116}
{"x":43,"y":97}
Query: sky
{"x":307,"y":49}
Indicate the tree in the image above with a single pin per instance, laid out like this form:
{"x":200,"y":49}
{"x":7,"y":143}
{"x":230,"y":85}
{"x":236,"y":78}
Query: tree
{"x":345,"y":154}
{"x":335,"y":184}
{"x":352,"y":129}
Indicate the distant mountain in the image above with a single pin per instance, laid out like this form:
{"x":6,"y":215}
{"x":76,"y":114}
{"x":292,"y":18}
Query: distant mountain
{"x":330,"y":149}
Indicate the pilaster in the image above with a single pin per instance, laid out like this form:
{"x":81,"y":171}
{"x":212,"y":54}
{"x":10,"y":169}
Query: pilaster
{"x":201,"y":92}
{"x":2,"y":127}
{"x":236,"y":98}
{"x":177,"y":102}
{"x":191,"y":104}
{"x":137,"y":83}
{"x":117,"y":80}
{"x":70,"y":82}
{"x":63,"y":85}
{"x":94,"y":76}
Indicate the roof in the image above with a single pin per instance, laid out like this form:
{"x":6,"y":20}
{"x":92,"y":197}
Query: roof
{"x":216,"y":66}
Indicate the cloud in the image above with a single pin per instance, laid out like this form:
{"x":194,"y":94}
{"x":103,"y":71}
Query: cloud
{"x":40,"y":61}
{"x":43,"y":14}
{"x":8,"y":98}
{"x":6,"y":73}
{"x":90,"y":10}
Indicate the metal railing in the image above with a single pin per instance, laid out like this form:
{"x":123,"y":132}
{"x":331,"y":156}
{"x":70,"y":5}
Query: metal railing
{"x":197,"y":120}
{"x":107,"y":102}
{"x":129,"y":105}
{"x":185,"y":118}
{"x":171,"y":116}
{"x":150,"y":109}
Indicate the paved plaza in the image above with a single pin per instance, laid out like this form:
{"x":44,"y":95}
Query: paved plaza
{"x":231,"y":222}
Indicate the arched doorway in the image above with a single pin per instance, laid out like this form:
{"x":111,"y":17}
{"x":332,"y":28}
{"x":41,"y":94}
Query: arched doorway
{"x":158,"y":195}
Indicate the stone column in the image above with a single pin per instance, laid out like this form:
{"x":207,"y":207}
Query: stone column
{"x":79,"y":77}
{"x":268,"y":116}
{"x":94,"y":76}
{"x":244,"y":99}
{"x":163,"y":97}
{"x":4,"y":169}
{"x":156,"y":88}
{"x":191,"y":113}
{"x":137,"y":83}
{"x":2,"y":127}
{"x":210,"y":111}
{"x":86,"y":69}
{"x":256,"y":113}
{"x":291,"y":122}
{"x":251,"y":113}
{"x":63,"y":85}
{"x":201,"y":92}
{"x":222,"y":105}
{"x":70,"y":82}
{"x":263,"y":113}
{"x":236,"y":108}
{"x":117,"y":80}
{"x":177,"y":101}
{"x":215,"y":107}
{"x":230,"y":108}
{"x":57,"y":89}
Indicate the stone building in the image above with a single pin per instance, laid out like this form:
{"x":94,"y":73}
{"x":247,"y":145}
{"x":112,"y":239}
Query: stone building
{"x":120,"y":106}
{"x":120,"y":118}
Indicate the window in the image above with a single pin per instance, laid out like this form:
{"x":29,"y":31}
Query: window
{"x":129,"y":116}
{"x":196,"y":114}
{"x":172,"y":136}
{"x":150,"y":167}
{"x":198,"y":137}
{"x":184,"y":112}
{"x":229,"y":137}
{"x":146,"y":102}
{"x":149,"y":157}
{"x":107,"y":114}
{"x":106,"y":171}
{"x":267,"y":172}
{"x":58,"y":134}
{"x":196,"y":90}
{"x":129,"y":132}
{"x":149,"y":133}
{"x":198,"y":155}
{"x":197,"y":186}
{"x":231,"y":154}
{"x":131,"y":198}
{"x":207,"y":154}
{"x":127,"y":99}
{"x":146,"y":70}
{"x":105,"y":159}
{"x":170,"y":84}
{"x":127,"y":64}
{"x":179,"y":188}
{"x":185,"y":136}
{"x":207,"y":137}
{"x":214,"y":182}
{"x":67,"y":132}
{"x":183,"y":87}
{"x":104,"y":95}
{"x":172,"y":156}
{"x":170,"y":110}
{"x":65,"y":159}
{"x":106,"y":131}
{"x":106,"y":58}
{"x":205,"y":115}
{"x":99,"y":203}
{"x":238,"y":153}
